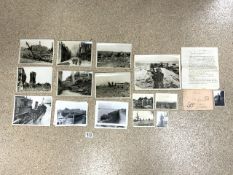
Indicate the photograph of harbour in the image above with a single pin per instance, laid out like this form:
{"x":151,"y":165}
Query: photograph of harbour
{"x":36,"y":51}
{"x":143,"y":101}
{"x":70,"y":113}
{"x":74,"y":53}
{"x":143,"y":119}
{"x":166,"y":101}
{"x":32,"y":110}
{"x":162,"y":119}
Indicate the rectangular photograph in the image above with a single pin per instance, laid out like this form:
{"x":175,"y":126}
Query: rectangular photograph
{"x":113,"y":55}
{"x":72,"y":83}
{"x":70,"y":113}
{"x":143,"y":101}
{"x":32,"y":110}
{"x":36,"y":51}
{"x":111,"y":114}
{"x":166,"y":101}
{"x":153,"y":72}
{"x":219,"y":98}
{"x":113,"y":85}
{"x":34,"y":79}
{"x":74,"y":53}
{"x":162,"y":119}
{"x":143,"y":119}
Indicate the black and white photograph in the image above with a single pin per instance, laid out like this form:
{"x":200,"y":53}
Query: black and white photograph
{"x":143,"y":101}
{"x":113,"y":85}
{"x":34,"y":79}
{"x":72,"y":83}
{"x":111,"y":114}
{"x":74,"y":53}
{"x":153,"y":72}
{"x":219,"y":98}
{"x":71,"y":113}
{"x":32,"y":110}
{"x":166,"y":101}
{"x":113,"y":55}
{"x":162,"y":119}
{"x":143,"y":119}
{"x":36,"y":51}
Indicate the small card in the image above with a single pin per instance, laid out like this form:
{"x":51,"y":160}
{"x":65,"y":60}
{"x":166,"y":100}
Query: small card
{"x":197,"y":100}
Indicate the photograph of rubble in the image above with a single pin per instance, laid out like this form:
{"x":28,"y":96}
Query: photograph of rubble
{"x":143,"y":101}
{"x":143,"y":119}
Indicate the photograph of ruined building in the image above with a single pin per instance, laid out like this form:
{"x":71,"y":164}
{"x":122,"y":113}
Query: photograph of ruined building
{"x":143,"y":101}
{"x":32,"y":110}
{"x":34,"y":79}
{"x":143,"y":119}
{"x":38,"y":51}
{"x":74,"y":53}
{"x":71,"y":83}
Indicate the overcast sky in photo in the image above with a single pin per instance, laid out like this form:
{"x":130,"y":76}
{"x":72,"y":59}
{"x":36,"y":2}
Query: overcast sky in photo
{"x":74,"y":45}
{"x":61,"y":105}
{"x":104,"y":78}
{"x":114,"y":47}
{"x":111,"y":105}
{"x":156,"y":58}
{"x":165,"y":97}
{"x":44,"y":42}
{"x":143,"y":115}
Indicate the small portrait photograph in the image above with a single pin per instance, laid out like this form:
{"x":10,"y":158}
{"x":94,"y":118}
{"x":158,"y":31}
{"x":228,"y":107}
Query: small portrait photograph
{"x":111,"y":114}
{"x":143,"y":119}
{"x":113,"y":85}
{"x":32,"y":110}
{"x":166,"y":101}
{"x":72,"y":83}
{"x":162,"y":119}
{"x":113,"y":55}
{"x":70,"y":113}
{"x":34,"y":79}
{"x":74,"y":53}
{"x":143,"y":101}
{"x":153,"y":72}
{"x":36,"y":51}
{"x":219,"y":98}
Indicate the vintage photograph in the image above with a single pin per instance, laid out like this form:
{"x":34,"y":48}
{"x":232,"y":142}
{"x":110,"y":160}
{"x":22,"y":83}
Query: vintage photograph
{"x":38,"y":51}
{"x":166,"y":101}
{"x":157,"y":72}
{"x":70,"y":113}
{"x":219,"y":98}
{"x":34,"y":79}
{"x":115,"y":84}
{"x":113,"y":55}
{"x":74,"y":53}
{"x":143,"y":119}
{"x":143,"y":101}
{"x":111,"y":114}
{"x":72,"y":83}
{"x":32,"y":110}
{"x":162,"y":119}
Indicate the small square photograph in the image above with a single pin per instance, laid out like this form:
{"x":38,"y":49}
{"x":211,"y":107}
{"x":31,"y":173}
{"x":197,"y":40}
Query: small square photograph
{"x":70,"y":113}
{"x":157,"y":72}
{"x":166,"y":101}
{"x":32,"y":110}
{"x":162,"y":118}
{"x":36,"y":51}
{"x":143,"y":101}
{"x":143,"y":119}
{"x":111,"y":114}
{"x":114,"y":85}
{"x":34,"y":79}
{"x":72,"y":83}
{"x":74,"y":53}
{"x":113,"y":55}
{"x":219,"y":98}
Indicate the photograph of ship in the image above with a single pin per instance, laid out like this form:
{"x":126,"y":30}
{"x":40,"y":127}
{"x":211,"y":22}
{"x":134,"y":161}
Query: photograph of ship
{"x":143,"y":119}
{"x":162,"y":119}
{"x":71,"y":83}
{"x":166,"y":101}
{"x":38,"y":51}
{"x":74,"y":53}
{"x":70,"y":113}
{"x":219,"y":98}
{"x":115,"y":84}
{"x":113,"y":55}
{"x":32,"y":110}
{"x":34,"y":79}
{"x":111,"y":114}
{"x":157,"y":72}
{"x":143,"y":101}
